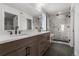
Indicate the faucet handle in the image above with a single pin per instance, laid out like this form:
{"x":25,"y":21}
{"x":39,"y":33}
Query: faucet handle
{"x":10,"y":32}
{"x":20,"y":31}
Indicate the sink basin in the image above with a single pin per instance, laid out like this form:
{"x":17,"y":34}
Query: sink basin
{"x":21,"y":34}
{"x":16,"y":35}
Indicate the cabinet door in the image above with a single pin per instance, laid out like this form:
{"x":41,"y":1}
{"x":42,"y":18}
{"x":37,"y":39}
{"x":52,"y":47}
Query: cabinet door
{"x":48,"y":39}
{"x":34,"y":49}
{"x":41,"y":44}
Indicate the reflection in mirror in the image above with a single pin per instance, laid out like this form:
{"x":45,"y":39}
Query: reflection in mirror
{"x":10,"y":21}
{"x":29,"y":24}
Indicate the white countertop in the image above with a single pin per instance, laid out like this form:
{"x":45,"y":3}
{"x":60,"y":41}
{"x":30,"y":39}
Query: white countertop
{"x":6,"y":38}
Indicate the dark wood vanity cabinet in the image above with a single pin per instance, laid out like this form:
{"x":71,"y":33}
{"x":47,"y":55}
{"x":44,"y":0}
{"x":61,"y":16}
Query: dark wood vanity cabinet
{"x":32,"y":46}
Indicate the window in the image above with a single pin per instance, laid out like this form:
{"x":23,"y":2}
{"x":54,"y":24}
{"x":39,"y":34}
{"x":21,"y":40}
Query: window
{"x":43,"y":22}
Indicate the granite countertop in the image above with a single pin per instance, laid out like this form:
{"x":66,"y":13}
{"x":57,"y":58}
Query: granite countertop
{"x":5,"y":39}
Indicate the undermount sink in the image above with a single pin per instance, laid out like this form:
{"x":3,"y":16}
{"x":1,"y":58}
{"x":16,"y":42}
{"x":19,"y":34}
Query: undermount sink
{"x":15,"y":35}
{"x":22,"y":34}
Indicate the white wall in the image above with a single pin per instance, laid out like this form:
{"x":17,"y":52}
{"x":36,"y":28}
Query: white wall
{"x":72,"y":26}
{"x":22,"y":23}
{"x":76,"y":28}
{"x":1,"y":19}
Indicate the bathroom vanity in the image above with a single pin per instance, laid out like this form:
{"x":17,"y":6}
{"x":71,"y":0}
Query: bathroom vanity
{"x":34,"y":44}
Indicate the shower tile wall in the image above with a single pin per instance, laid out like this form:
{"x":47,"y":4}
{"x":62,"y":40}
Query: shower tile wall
{"x":55,"y":23}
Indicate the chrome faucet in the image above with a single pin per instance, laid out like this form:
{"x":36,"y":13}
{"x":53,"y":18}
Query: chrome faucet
{"x":16,"y":29}
{"x":10,"y":32}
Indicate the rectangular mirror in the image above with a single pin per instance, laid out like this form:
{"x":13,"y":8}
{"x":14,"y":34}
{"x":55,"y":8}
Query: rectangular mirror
{"x":10,"y":21}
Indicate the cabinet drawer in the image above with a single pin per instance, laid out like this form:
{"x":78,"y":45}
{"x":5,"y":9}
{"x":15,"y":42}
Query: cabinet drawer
{"x":18,"y":52}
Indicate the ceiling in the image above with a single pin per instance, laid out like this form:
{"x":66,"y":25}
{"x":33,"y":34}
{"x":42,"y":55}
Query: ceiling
{"x":49,"y":8}
{"x":54,"y":8}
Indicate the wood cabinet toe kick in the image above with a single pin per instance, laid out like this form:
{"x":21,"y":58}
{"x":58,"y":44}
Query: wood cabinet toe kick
{"x":32,"y":46}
